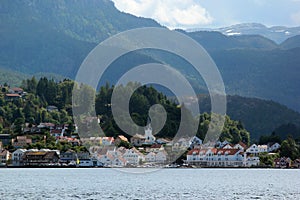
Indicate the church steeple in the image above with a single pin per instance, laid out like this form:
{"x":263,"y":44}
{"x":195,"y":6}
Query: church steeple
{"x":148,"y":133}
{"x":149,"y":124}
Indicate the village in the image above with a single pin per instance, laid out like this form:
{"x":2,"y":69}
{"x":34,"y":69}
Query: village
{"x":142,"y":150}
{"x":29,"y":148}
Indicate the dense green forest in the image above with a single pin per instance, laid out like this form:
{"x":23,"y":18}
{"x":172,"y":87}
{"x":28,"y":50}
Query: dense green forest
{"x":260,"y":117}
{"x":32,"y":109}
{"x":141,"y":101}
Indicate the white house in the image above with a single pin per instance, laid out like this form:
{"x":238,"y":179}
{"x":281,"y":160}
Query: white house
{"x":117,"y":154}
{"x":273,"y":147}
{"x":150,"y":157}
{"x":133,"y":156}
{"x":253,"y":149}
{"x":112,"y":159}
{"x":17,"y":157}
{"x":195,"y":142}
{"x":105,"y":160}
{"x":251,"y":161}
{"x":262,"y":148}
{"x":193,"y":155}
{"x":220,"y":144}
{"x":216,"y":157}
{"x":240,"y":145}
{"x":161,"y":157}
{"x":119,"y":162}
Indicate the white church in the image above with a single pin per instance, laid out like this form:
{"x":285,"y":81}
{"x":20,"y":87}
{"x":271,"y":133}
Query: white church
{"x":149,"y":138}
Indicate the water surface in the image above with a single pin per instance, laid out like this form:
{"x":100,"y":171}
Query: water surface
{"x":163,"y":184}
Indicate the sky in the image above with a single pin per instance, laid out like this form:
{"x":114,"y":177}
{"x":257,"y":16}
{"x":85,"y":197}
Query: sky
{"x":188,"y":14}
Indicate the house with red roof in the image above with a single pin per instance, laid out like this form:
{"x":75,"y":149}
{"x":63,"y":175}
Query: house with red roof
{"x":16,"y":90}
{"x":12,"y":97}
{"x":112,"y":158}
{"x":213,"y":157}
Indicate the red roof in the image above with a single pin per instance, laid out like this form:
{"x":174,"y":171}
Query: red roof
{"x":47,"y":124}
{"x":243,"y":145}
{"x":55,"y":131}
{"x":193,"y":151}
{"x":111,"y":139}
{"x":227,"y":151}
{"x":17,"y":89}
{"x":214,"y":151}
{"x":156,"y":146}
{"x":13,"y":95}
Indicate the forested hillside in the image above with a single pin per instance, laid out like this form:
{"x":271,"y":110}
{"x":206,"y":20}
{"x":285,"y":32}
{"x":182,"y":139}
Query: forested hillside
{"x":32,"y":109}
{"x":55,"y":37}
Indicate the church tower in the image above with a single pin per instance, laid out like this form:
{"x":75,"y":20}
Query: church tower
{"x":148,"y":133}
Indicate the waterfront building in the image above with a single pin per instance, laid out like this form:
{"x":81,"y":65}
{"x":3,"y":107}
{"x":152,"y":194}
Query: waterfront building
{"x":133,"y":156}
{"x":4,"y":157}
{"x":17,"y":157}
{"x":282,"y":162}
{"x":40,"y":158}
{"x":213,"y":157}
{"x":112,"y":158}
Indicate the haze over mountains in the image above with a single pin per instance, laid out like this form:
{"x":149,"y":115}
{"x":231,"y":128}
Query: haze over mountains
{"x":46,"y":36}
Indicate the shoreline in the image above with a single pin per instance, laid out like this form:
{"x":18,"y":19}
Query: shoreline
{"x":76,"y":167}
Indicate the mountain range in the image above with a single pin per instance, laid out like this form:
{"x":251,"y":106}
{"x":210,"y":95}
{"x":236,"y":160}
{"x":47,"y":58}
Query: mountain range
{"x":276,"y":33}
{"x":46,"y":36}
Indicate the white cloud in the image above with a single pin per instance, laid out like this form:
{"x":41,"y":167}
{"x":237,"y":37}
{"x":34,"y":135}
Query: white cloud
{"x":296,"y":18}
{"x":171,"y":13}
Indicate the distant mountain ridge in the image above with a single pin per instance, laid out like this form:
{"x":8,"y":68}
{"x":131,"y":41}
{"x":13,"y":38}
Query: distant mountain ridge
{"x":293,"y":42}
{"x":275,"y":33}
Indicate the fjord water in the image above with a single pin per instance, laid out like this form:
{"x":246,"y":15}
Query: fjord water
{"x":162,"y":184}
